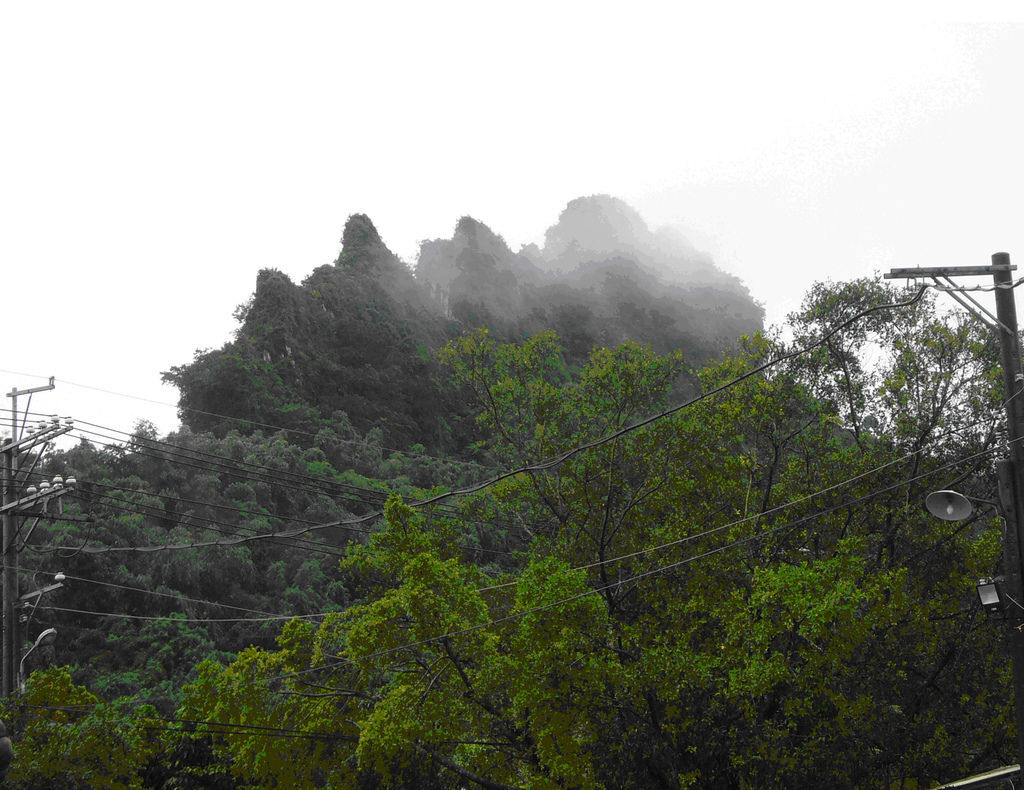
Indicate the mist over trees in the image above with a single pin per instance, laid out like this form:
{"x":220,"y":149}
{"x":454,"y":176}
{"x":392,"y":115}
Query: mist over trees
{"x":556,"y":518}
{"x":359,"y":336}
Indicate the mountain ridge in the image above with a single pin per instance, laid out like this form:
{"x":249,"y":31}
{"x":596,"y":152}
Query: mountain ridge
{"x":358,"y":336}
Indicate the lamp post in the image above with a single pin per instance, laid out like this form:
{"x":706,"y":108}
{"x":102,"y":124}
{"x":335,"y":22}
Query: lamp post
{"x":47,"y":637}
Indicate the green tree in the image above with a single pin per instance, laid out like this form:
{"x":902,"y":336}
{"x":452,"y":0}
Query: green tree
{"x":67,"y":738}
{"x":741,"y":592}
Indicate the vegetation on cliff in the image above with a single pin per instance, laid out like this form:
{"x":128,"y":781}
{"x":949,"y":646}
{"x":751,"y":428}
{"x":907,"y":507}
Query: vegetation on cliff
{"x":390,"y":548}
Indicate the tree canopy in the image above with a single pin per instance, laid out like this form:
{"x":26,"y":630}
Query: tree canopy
{"x":624,"y":589}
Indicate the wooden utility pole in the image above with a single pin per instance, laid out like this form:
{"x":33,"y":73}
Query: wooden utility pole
{"x":14,"y":504}
{"x":1011,"y":470}
{"x":10,"y":572}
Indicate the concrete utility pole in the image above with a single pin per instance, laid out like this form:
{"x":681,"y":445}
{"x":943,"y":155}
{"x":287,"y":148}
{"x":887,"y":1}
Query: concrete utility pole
{"x":13,"y":506}
{"x":1011,"y":470}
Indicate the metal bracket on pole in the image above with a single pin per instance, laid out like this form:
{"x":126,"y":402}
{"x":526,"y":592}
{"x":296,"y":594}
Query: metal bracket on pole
{"x":35,"y":439}
{"x":32,"y":499}
{"x":985,"y":317}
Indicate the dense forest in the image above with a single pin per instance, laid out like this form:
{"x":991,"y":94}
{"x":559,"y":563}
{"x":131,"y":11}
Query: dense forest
{"x":567,"y":517}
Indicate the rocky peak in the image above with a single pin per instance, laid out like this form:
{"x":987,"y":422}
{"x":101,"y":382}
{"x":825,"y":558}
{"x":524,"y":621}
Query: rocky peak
{"x":595,"y":228}
{"x":362,"y":246}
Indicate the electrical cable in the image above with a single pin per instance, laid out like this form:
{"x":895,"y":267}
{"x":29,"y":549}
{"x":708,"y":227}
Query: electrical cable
{"x":559,"y":459}
{"x":449,"y":513}
{"x":986,"y":288}
{"x":215,"y":460}
{"x":378,"y":496}
{"x":129,"y":506}
{"x":144,"y":591}
{"x":234,"y":419}
{"x":344,"y":491}
{"x":171,"y":618}
{"x":207,"y":523}
{"x":241,"y":474}
{"x":322,"y":483}
{"x":638,"y":576}
{"x":541,"y":466}
{"x":211,"y":727}
{"x":212,"y":525}
{"x":754,"y":517}
{"x":689,"y":538}
{"x":241,"y":463}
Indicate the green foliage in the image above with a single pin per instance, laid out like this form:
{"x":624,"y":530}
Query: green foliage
{"x":805,"y":654}
{"x":69,"y":738}
{"x":745,"y":592}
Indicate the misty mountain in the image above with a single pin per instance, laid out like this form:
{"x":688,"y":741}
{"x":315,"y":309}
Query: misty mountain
{"x":354,"y":342}
{"x":602,"y":277}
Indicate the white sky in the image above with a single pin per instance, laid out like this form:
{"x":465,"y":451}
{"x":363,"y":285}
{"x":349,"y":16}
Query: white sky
{"x":155,"y":156}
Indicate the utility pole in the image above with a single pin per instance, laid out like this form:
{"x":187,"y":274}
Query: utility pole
{"x":15,"y":504}
{"x":1011,"y":470}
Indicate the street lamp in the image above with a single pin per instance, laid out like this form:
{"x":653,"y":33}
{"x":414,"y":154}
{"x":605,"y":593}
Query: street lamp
{"x":953,"y":506}
{"x":48,"y":637}
{"x":948,"y":505}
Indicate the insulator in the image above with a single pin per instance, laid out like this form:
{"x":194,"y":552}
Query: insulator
{"x":44,"y":485}
{"x":58,"y":480}
{"x":70,"y":482}
{"x":31,"y":490}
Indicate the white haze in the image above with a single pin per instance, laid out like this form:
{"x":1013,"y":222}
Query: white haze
{"x":156,"y":156}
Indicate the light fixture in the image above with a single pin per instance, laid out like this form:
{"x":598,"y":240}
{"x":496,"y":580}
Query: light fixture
{"x":948,"y":505}
{"x":47,"y":637}
{"x":991,"y":596}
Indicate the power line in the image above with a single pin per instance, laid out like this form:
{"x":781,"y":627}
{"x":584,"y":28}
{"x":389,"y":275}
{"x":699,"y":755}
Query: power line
{"x":753,"y":517}
{"x":764,"y":533}
{"x":225,"y":467}
{"x":135,"y":444}
{"x":171,"y":618}
{"x":232,"y":529}
{"x":241,"y":473}
{"x":704,"y":396}
{"x":206,"y":523}
{"x":210,"y":727}
{"x":557,"y":460}
{"x":241,"y":420}
{"x":686,"y":539}
{"x":323,"y":484}
{"x":155,"y":593}
{"x":638,"y":576}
